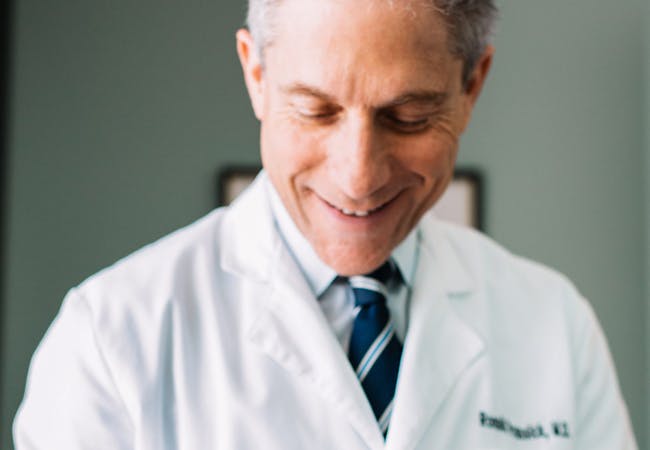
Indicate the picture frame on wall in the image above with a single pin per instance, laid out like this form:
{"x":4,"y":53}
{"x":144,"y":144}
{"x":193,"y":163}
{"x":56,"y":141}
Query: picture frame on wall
{"x":462,"y":202}
{"x":231,"y":181}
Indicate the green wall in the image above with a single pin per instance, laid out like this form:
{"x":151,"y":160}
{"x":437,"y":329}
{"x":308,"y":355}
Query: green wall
{"x":646,"y":126}
{"x":122,"y":113}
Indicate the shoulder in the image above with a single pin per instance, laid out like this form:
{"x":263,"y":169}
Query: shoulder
{"x":510,"y":299}
{"x":506,"y":286}
{"x":489,"y":263}
{"x":185,"y":272}
{"x":182,"y":261}
{"x":131,"y":305}
{"x":537,"y":329}
{"x":154,"y":269}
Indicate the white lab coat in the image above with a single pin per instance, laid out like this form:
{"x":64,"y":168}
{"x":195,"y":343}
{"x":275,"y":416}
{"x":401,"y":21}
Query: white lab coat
{"x":211,"y":339}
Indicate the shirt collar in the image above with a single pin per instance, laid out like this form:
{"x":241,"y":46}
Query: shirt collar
{"x":319,"y":275}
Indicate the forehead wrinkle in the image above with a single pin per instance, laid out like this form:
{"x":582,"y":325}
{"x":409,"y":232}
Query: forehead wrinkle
{"x":391,"y":87}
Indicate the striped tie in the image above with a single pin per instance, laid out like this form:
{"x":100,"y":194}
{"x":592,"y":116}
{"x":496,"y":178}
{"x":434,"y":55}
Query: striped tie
{"x":375,"y":351}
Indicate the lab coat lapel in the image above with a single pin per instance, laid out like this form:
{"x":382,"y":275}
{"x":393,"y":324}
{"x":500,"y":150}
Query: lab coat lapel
{"x":287,"y":323}
{"x":294,"y":332}
{"x":439,"y":346}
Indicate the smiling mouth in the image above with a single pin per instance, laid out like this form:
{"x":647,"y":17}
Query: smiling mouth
{"x":359,"y":213}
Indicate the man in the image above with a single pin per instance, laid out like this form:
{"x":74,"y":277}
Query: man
{"x":325,"y":309}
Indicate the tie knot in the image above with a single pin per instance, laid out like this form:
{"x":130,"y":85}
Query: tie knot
{"x":371,"y":288}
{"x":383,"y":273}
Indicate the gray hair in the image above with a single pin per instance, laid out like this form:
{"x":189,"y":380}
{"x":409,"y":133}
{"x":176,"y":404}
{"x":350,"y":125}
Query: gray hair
{"x":470,"y":25}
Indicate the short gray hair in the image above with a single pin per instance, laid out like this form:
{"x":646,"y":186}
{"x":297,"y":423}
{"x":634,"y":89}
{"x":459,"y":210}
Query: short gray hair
{"x":470,"y":25}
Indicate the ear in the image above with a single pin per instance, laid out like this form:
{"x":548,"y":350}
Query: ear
{"x":252,"y":68}
{"x":472,"y":89}
{"x":479,"y":74}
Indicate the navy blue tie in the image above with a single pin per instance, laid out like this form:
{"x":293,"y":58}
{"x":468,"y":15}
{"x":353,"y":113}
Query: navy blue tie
{"x":375,"y":351}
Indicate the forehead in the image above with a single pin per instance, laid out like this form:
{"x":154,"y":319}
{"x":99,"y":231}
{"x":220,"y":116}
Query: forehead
{"x":359,"y":47}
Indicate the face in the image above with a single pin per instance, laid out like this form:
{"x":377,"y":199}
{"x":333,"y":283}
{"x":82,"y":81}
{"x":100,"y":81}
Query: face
{"x":361,"y":108}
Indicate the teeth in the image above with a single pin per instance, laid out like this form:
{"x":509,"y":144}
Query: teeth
{"x":349,"y":212}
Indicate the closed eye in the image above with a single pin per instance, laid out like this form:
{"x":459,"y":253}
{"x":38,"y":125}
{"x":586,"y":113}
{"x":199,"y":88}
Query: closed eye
{"x":404,"y":124}
{"x":317,"y":115}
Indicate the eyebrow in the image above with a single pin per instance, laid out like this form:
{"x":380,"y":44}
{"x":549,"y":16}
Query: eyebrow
{"x":425,"y":97}
{"x":303,"y":89}
{"x":429,"y":98}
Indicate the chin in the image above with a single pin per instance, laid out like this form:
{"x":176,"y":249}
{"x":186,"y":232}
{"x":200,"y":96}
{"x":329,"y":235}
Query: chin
{"x":347,"y":262}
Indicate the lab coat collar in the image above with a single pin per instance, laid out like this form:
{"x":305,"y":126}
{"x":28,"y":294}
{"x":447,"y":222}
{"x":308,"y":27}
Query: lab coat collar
{"x":247,"y":240}
{"x":446,"y":261}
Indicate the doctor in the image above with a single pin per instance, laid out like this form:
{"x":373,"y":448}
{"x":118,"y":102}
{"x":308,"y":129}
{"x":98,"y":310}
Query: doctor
{"x":326,"y":309}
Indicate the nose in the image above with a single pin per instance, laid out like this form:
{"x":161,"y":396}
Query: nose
{"x":359,"y":159}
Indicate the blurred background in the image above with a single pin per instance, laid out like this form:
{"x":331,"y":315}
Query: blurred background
{"x":119,"y":115}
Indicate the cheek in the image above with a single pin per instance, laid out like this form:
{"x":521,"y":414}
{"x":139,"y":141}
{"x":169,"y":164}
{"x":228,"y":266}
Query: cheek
{"x":275,"y":157}
{"x":433,"y":164}
{"x":287,"y":153}
{"x":432,"y":159}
